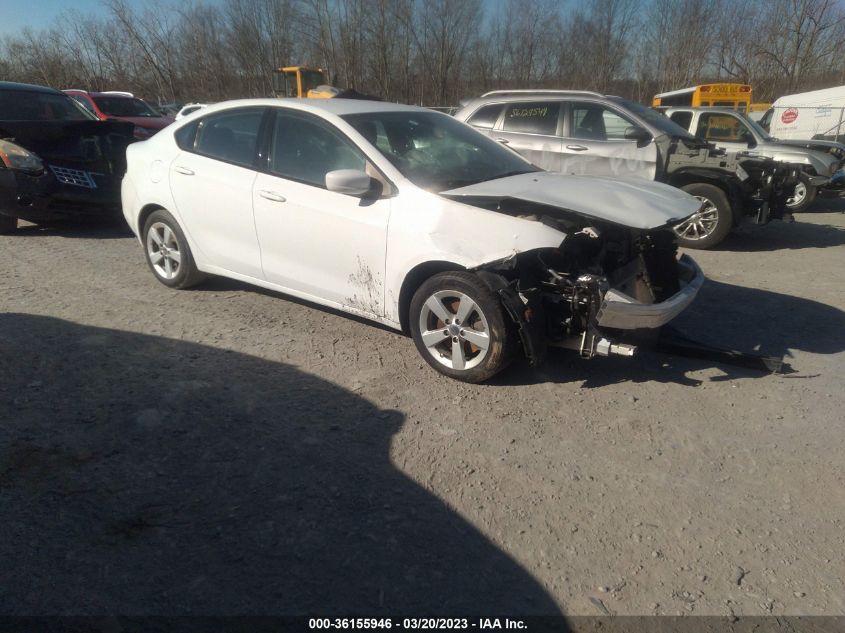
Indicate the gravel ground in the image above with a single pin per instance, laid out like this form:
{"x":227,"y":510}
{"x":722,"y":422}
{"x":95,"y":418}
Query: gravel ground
{"x":225,"y":450}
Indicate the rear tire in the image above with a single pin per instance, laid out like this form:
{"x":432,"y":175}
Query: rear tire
{"x":167,"y":252}
{"x":460,"y":328}
{"x":8,"y":224}
{"x":711,"y":224}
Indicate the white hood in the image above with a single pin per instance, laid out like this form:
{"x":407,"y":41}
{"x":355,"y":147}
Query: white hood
{"x":638,"y":204}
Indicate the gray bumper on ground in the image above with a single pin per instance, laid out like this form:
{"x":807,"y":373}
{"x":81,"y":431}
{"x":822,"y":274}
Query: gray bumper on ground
{"x":620,"y":311}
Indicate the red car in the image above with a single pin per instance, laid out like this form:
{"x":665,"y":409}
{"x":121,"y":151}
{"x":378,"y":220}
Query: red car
{"x":122,"y":106}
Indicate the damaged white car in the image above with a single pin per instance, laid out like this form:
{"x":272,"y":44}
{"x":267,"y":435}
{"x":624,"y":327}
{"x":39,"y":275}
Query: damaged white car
{"x":412,"y":219}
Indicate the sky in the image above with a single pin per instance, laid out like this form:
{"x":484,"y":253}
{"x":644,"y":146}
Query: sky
{"x":39,"y":14}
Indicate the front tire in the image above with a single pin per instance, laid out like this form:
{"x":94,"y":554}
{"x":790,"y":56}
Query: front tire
{"x":460,"y":328}
{"x":167,"y":252}
{"x":803,"y":196}
{"x":711,"y":224}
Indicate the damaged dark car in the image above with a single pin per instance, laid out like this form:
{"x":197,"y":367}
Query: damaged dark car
{"x":57,"y":161}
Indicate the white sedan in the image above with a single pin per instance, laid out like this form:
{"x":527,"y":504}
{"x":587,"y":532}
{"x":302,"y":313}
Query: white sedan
{"x":412,"y":219}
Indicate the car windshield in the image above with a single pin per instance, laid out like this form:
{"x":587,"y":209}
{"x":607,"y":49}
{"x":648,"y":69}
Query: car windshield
{"x":436,"y":152}
{"x":30,"y":105}
{"x":654,"y":118}
{"x":124,"y":106}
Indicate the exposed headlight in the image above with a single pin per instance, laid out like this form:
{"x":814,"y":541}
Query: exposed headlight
{"x":16,"y":157}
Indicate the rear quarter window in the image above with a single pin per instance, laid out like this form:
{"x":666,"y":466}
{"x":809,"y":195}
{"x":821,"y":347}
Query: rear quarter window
{"x":532,"y":117}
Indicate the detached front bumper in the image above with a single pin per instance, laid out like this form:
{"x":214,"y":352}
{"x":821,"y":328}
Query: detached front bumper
{"x":620,"y":311}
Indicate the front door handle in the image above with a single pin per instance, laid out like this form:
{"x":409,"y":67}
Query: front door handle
{"x":577,"y":148}
{"x":503,"y":141}
{"x":272,"y":195}
{"x":183,"y":170}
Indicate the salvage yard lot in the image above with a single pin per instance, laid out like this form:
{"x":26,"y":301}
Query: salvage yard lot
{"x":224,"y":450}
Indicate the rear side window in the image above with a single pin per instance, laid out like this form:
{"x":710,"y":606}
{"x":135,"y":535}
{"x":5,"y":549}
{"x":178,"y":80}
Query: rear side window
{"x":533,"y":117}
{"x":306,"y":149}
{"x":682,"y":118}
{"x":231,"y":136}
{"x":486,"y":117}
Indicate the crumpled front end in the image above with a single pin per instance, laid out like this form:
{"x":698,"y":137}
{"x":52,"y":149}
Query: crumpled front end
{"x":603,"y":281}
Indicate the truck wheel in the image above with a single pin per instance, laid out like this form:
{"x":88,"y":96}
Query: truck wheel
{"x":803,"y":196}
{"x":460,"y":328}
{"x":8,"y":224}
{"x":710,"y":224}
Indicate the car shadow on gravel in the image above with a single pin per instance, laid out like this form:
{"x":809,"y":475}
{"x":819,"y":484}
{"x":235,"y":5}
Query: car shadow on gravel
{"x":144,"y":475}
{"x":723,"y":315}
{"x":782,"y":235}
{"x":101,"y":230}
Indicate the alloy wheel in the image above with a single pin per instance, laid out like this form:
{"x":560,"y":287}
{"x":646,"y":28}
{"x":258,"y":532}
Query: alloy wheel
{"x":454,"y":330}
{"x":163,"y":250}
{"x":702,"y":223}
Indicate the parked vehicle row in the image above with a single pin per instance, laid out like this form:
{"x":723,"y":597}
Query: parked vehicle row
{"x":578,"y":132}
{"x":407,"y":216}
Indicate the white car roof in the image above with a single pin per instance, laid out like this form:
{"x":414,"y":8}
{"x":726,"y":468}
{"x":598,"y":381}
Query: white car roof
{"x":336,"y":106}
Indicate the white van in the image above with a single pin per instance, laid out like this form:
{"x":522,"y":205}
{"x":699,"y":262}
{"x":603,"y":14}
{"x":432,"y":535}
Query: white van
{"x":819,"y":114}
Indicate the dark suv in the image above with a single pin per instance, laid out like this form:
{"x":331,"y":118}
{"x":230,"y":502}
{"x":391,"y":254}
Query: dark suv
{"x":56,"y":159}
{"x":586,"y":133}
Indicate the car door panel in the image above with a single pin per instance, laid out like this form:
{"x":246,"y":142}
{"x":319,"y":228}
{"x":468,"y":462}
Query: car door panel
{"x":215,"y":201}
{"x":322,"y":243}
{"x":532,"y":128}
{"x":211,"y":181}
{"x":595,"y":145}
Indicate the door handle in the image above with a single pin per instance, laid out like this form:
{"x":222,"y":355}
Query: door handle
{"x":503,"y":141}
{"x":272,"y":195}
{"x":183,"y":170}
{"x":577,"y":148}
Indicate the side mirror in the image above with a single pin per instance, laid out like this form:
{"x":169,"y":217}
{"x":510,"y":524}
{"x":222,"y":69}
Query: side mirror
{"x":351,"y":182}
{"x":638,"y":134}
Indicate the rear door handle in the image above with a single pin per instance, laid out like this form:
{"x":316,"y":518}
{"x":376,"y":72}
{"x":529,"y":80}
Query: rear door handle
{"x":503,"y":141}
{"x":272,"y":195}
{"x":577,"y":148}
{"x":183,"y":170}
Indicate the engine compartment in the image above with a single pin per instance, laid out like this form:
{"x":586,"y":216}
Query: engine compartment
{"x":554,"y":295}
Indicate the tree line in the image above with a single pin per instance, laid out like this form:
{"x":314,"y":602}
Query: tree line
{"x":435,"y":52}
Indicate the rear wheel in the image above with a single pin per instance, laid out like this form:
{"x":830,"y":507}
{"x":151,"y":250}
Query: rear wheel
{"x":709,"y":225}
{"x":167,"y":252}
{"x":460,"y":328}
{"x":803,"y":196}
{"x":8,"y":224}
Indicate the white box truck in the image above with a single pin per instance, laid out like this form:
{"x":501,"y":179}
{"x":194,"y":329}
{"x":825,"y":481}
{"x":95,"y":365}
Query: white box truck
{"x":819,"y":114}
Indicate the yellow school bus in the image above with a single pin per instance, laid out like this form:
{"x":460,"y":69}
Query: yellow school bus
{"x":734,"y":96}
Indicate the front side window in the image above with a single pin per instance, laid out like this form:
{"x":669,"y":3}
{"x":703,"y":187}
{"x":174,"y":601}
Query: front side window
{"x":231,"y":136}
{"x":486,"y":117}
{"x":305,"y":149}
{"x":721,"y":128}
{"x":533,"y":117}
{"x":594,"y":122}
